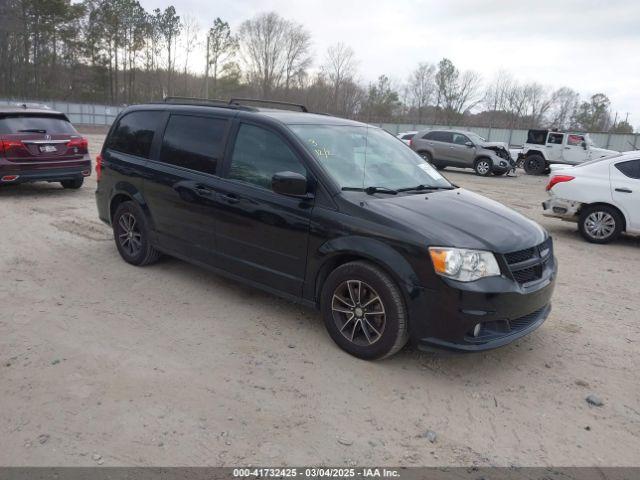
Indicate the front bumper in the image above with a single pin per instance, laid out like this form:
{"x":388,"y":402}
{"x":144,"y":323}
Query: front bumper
{"x":445,"y":319}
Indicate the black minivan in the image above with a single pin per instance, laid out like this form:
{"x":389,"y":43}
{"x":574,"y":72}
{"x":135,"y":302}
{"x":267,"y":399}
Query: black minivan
{"x":329,"y":212}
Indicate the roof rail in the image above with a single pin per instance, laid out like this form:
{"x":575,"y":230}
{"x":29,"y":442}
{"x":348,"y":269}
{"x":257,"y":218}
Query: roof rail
{"x":205,"y":102}
{"x":240,"y":101}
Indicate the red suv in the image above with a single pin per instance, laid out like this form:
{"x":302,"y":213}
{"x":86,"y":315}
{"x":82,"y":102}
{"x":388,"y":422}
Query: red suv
{"x":41,"y":145}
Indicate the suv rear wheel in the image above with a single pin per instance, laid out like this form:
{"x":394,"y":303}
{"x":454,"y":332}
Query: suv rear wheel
{"x":363,"y":311}
{"x":535,"y":164}
{"x":72,"y":184}
{"x":600,"y":224}
{"x":131,"y":233}
{"x":483,"y":166}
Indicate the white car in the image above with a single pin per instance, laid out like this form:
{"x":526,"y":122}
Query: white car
{"x":406,"y":136}
{"x":602,"y":195}
{"x":547,"y":147}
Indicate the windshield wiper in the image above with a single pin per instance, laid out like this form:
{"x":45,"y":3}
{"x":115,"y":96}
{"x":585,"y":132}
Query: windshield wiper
{"x":371,"y":190}
{"x":32,"y":130}
{"x":425,"y":187}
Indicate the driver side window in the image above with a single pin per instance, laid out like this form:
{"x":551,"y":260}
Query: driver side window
{"x":459,"y":139}
{"x":258,"y":154}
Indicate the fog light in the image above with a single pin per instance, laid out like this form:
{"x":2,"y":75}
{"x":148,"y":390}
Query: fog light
{"x":476,"y":330}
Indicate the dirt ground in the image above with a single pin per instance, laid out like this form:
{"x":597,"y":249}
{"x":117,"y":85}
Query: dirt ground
{"x":105,"y":363}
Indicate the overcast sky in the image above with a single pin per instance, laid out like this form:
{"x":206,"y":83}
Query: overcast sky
{"x":591,"y":46}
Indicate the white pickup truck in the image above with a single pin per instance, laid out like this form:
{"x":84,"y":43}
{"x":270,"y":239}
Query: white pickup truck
{"x":546,"y":147}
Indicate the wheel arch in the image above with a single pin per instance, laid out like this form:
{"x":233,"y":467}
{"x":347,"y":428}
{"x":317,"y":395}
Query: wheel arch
{"x":124,"y":192}
{"x":343,"y":250}
{"x":536,"y":152}
{"x":605,"y":204}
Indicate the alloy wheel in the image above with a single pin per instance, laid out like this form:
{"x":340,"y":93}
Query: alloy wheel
{"x":358,"y":312}
{"x":483,"y":167}
{"x":129,"y":234}
{"x":600,"y":225}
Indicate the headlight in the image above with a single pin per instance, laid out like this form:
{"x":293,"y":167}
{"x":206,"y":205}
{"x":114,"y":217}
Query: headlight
{"x":462,"y":264}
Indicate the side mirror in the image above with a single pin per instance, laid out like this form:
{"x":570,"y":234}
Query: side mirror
{"x":584,"y":145}
{"x":469,"y":144}
{"x":289,"y":183}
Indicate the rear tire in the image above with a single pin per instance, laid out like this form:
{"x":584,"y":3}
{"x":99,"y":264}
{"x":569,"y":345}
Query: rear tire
{"x":483,"y":166}
{"x":364,"y":311}
{"x":72,"y":184}
{"x":600,"y":224}
{"x":426,"y":156}
{"x":535,"y":164}
{"x":131,"y":234}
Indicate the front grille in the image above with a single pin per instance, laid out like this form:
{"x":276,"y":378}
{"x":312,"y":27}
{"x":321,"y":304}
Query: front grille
{"x":528,"y":265}
{"x":502,"y":328}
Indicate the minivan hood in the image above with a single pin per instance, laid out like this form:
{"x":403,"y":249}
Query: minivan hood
{"x":460,"y":218}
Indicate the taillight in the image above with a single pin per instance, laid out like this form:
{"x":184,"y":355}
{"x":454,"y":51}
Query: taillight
{"x":82,"y":144}
{"x":98,"y":167}
{"x":411,"y":142}
{"x":558,"y":179}
{"x":7,"y":145}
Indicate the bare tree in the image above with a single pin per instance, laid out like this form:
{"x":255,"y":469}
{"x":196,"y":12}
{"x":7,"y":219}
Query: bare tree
{"x":297,"y":44}
{"x":261,"y":40}
{"x":340,"y":67}
{"x":456,"y":93}
{"x":221,"y":46}
{"x":421,"y":87}
{"x":564,"y":102}
{"x":191,"y":30}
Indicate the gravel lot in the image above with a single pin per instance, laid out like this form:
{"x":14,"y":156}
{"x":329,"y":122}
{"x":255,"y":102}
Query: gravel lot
{"x":105,"y":363}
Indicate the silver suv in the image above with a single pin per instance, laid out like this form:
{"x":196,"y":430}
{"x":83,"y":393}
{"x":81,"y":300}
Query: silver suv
{"x":454,"y":148}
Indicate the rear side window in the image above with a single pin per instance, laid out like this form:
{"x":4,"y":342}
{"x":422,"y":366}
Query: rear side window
{"x":441,"y":137}
{"x":193,"y":142}
{"x":630,"y":169}
{"x":50,"y":124}
{"x":459,"y":139}
{"x":575,"y":140}
{"x":555,"y":138}
{"x":134,"y":133}
{"x":408,"y":136}
{"x":258,"y":154}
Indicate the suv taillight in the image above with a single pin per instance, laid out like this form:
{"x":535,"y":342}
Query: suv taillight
{"x":7,"y":145}
{"x":98,"y":167}
{"x":82,"y":144}
{"x":558,"y":179}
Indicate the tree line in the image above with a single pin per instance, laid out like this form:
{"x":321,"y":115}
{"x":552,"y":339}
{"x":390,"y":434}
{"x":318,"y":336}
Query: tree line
{"x":116,"y":52}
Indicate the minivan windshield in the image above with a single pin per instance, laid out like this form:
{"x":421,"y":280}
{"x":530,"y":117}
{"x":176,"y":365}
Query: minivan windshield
{"x":364,"y":157}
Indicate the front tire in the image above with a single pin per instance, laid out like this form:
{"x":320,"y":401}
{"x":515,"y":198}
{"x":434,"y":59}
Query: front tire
{"x":600,"y":224}
{"x":535,"y":164}
{"x":74,"y":184}
{"x":483,"y":167}
{"x":363,"y":311}
{"x":131,"y":234}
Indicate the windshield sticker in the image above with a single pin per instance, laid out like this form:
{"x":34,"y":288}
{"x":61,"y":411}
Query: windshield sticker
{"x":318,"y":150}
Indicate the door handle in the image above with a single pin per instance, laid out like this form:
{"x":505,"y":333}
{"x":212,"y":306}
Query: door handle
{"x":549,"y":146}
{"x":203,"y":191}
{"x":230,"y":198}
{"x":624,"y":190}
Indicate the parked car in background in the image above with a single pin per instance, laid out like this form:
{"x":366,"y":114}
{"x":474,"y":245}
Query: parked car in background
{"x":38,"y":144}
{"x":285,"y":201}
{"x":547,"y":147}
{"x":602,"y":195}
{"x":406,"y":136}
{"x":454,"y":148}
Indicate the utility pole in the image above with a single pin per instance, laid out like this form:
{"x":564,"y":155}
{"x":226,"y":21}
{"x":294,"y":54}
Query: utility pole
{"x":206,"y":70}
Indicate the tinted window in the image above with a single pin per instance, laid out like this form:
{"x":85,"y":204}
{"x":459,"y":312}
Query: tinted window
{"x":193,"y":142}
{"x":134,"y":133}
{"x":35,"y":124}
{"x":630,"y":168}
{"x":258,"y":154}
{"x":537,"y":137}
{"x":555,"y":138}
{"x":439,"y":137}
